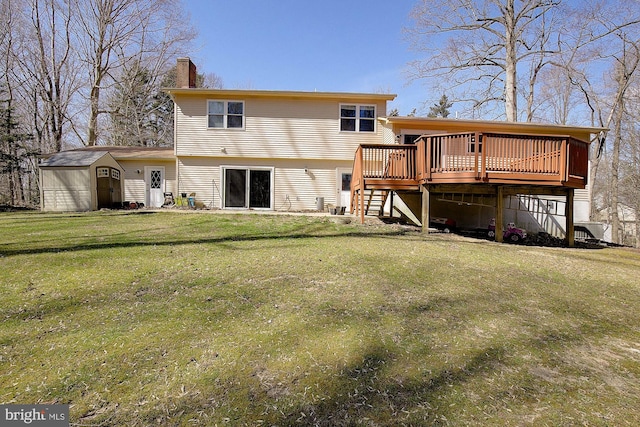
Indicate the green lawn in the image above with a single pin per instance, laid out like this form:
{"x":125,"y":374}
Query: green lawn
{"x":177,"y":318}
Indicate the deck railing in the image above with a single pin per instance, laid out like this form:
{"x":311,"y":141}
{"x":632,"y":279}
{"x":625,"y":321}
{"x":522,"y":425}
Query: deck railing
{"x":383,"y":166}
{"x":387,"y":162}
{"x":471,"y":157}
{"x":503,"y":157}
{"x":578,"y":159}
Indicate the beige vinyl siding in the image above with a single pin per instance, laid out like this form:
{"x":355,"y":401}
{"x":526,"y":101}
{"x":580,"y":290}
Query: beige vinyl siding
{"x":388,"y":136}
{"x":297,"y":190}
{"x":293,"y":188}
{"x":135,"y":187}
{"x":201,"y":176}
{"x":66,"y":190}
{"x":274,"y":128}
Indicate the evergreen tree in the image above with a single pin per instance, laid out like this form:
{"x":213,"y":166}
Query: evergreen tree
{"x":15,"y":155}
{"x":441,"y":109}
{"x":141,"y":112}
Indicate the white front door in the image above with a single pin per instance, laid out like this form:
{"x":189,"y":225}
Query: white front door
{"x":343,"y":181}
{"x":154,"y":182}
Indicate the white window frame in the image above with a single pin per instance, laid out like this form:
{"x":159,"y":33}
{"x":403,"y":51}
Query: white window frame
{"x":225,"y":114}
{"x":357,"y":117}
{"x":270,"y":169}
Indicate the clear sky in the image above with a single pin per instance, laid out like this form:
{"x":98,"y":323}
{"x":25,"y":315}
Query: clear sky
{"x":307,"y":45}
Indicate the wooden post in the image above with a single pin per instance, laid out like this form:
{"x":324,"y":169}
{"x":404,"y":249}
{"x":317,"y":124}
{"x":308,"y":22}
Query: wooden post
{"x":478,"y":170}
{"x":425,"y":208}
{"x":499,"y":213}
{"x":569,"y":213}
{"x":362,"y":184}
{"x":362,"y":203}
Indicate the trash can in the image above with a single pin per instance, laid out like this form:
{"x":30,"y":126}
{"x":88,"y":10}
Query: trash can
{"x":320,"y":204}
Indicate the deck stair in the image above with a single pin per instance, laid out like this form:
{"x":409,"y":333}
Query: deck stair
{"x":375,"y":201}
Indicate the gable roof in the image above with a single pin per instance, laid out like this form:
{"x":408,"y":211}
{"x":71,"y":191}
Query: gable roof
{"x":73,"y":158}
{"x":86,"y":156}
{"x":125,"y":152}
{"x":347,"y":96}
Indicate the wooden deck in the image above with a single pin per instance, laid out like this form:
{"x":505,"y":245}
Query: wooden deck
{"x":551,"y":161}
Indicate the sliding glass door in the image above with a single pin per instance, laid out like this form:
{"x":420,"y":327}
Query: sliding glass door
{"x":248,"y":188}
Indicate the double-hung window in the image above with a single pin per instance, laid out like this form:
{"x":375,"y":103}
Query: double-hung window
{"x":225,"y":114}
{"x":357,"y":118}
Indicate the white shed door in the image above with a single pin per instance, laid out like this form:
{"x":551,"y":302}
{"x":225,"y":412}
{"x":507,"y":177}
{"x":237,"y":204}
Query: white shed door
{"x":154,"y":181}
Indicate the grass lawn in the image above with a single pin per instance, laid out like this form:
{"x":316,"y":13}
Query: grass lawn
{"x":173,"y":318}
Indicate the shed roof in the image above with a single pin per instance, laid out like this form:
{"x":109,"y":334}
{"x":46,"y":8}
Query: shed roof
{"x":124,"y":152}
{"x":73,"y":158}
{"x":88,"y":155}
{"x":489,"y":125}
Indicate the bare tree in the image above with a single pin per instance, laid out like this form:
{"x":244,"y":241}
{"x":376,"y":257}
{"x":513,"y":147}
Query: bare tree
{"x":116,"y":33}
{"x":61,"y":60}
{"x":487,"y":42}
{"x":497,"y":51}
{"x":628,"y":184}
{"x":46,"y":62}
{"x":613,"y":43}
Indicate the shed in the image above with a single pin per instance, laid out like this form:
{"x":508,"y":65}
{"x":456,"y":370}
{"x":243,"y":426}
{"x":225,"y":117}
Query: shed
{"x":80,"y":181}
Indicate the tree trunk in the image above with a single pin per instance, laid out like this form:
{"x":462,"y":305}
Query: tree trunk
{"x":510,"y":88}
{"x":615,"y":170}
{"x":92,"y":131}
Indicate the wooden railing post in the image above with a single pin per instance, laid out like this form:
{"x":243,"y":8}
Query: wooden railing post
{"x":355,"y":177}
{"x":564,"y":160}
{"x":362,"y":186}
{"x":428,"y":142}
{"x":485,"y":155}
{"x":420,"y":155}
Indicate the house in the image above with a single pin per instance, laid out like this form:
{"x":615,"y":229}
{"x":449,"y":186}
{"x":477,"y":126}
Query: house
{"x":270,"y":150}
{"x":628,"y":230}
{"x":301,"y":151}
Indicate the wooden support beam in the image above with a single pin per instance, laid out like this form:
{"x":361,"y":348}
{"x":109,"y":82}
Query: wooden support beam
{"x":462,"y":188}
{"x":490,"y":189}
{"x":499,"y":213}
{"x":425,"y":208}
{"x":571,"y":241}
{"x":362,"y":204}
{"x":538,"y":190}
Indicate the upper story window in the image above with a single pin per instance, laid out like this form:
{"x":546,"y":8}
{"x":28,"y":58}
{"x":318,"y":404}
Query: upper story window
{"x":357,"y":118}
{"x":225,"y":114}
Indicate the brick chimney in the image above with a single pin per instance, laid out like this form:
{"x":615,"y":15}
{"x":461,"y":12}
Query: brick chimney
{"x":185,"y":73}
